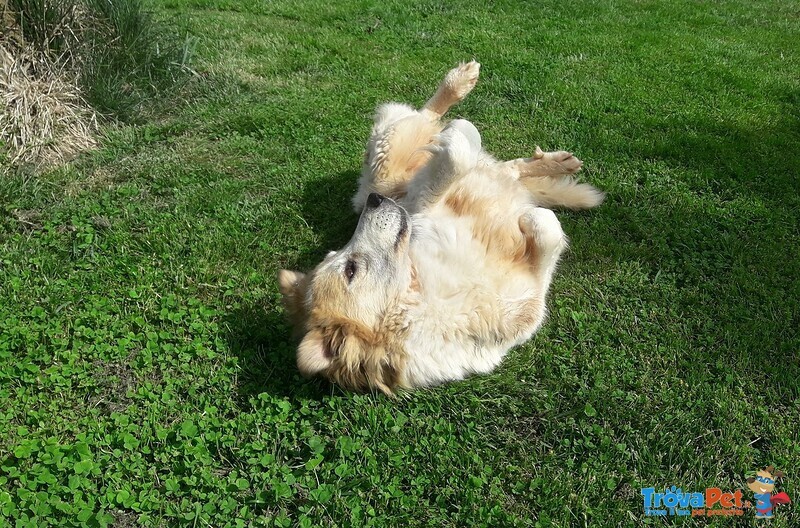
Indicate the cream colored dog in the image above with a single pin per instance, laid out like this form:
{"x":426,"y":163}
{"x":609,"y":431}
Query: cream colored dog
{"x":452,"y":258}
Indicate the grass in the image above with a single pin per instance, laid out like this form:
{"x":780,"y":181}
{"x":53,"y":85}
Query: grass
{"x":146,"y":373}
{"x":64,"y":61}
{"x":134,"y":60}
{"x":122,"y":56}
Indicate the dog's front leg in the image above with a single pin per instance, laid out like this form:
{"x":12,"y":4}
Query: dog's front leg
{"x":455,"y":152}
{"x":453,"y":89}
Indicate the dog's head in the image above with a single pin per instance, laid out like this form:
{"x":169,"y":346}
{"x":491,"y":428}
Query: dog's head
{"x":764,"y":481}
{"x":350,"y":309}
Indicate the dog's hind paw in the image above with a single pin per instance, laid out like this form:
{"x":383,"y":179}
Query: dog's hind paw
{"x":543,"y":227}
{"x":461,"y":80}
{"x":560,"y":163}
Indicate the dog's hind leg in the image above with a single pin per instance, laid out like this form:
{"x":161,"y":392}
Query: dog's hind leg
{"x":455,"y":86}
{"x":545,"y":241}
{"x":542,"y":164}
{"x":547,"y":176}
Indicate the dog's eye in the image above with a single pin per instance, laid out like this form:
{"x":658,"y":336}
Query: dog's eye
{"x":350,"y":270}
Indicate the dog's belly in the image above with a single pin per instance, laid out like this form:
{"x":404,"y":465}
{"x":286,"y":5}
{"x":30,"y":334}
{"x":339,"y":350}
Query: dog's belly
{"x":439,"y":361}
{"x":464,"y":325}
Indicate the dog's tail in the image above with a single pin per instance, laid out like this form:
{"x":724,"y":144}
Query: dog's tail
{"x":563,"y":191}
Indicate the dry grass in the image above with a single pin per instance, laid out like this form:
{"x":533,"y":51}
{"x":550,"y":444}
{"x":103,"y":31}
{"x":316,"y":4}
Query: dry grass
{"x":45,"y":121}
{"x":63,"y":63}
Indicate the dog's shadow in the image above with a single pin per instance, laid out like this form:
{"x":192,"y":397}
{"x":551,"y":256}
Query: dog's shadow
{"x":328,"y":211}
{"x":258,"y":333}
{"x":261,"y":339}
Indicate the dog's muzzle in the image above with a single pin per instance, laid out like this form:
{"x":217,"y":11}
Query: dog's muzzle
{"x":374,"y":200}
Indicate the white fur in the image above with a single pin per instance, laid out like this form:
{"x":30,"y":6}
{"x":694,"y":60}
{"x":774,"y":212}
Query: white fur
{"x":468,"y":279}
{"x":457,"y":326}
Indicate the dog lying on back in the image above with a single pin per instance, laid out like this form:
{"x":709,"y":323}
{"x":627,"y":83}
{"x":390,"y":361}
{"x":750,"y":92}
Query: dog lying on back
{"x":452,"y":258}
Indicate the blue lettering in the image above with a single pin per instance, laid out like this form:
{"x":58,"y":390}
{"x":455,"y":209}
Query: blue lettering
{"x":697,"y":500}
{"x":647,"y":493}
{"x":671,"y":497}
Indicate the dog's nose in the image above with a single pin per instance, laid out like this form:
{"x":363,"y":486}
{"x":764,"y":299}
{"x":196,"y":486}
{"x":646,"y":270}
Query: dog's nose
{"x":374,"y":200}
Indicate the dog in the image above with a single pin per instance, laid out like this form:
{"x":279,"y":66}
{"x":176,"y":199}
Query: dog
{"x":452,"y":258}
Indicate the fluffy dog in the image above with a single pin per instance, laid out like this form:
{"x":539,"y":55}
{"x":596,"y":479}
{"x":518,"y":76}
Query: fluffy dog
{"x":452,"y":258}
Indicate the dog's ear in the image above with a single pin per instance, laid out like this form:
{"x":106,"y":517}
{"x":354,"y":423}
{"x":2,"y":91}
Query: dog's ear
{"x":750,"y":480}
{"x":778,"y":474}
{"x":293,"y":286}
{"x":314,"y":353}
{"x":365,"y":364}
{"x":360,"y":364}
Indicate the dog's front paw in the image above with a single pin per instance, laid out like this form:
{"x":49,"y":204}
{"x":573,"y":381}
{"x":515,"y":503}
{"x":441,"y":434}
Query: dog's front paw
{"x":461,"y":80}
{"x":555,"y":163}
{"x":460,"y":143}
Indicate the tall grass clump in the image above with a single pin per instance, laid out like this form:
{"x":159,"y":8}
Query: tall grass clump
{"x":132,"y":58}
{"x":65,"y":61}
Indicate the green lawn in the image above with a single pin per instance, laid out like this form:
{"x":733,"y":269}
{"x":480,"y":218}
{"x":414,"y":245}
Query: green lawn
{"x":147,"y":374}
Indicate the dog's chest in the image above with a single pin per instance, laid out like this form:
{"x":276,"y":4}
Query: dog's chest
{"x":449,"y":260}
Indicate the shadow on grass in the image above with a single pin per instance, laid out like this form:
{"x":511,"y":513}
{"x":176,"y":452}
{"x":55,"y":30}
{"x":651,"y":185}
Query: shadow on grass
{"x":259,"y":335}
{"x":261,"y":339}
{"x":758,"y":162}
{"x":733,"y":264}
{"x":329,"y":213}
